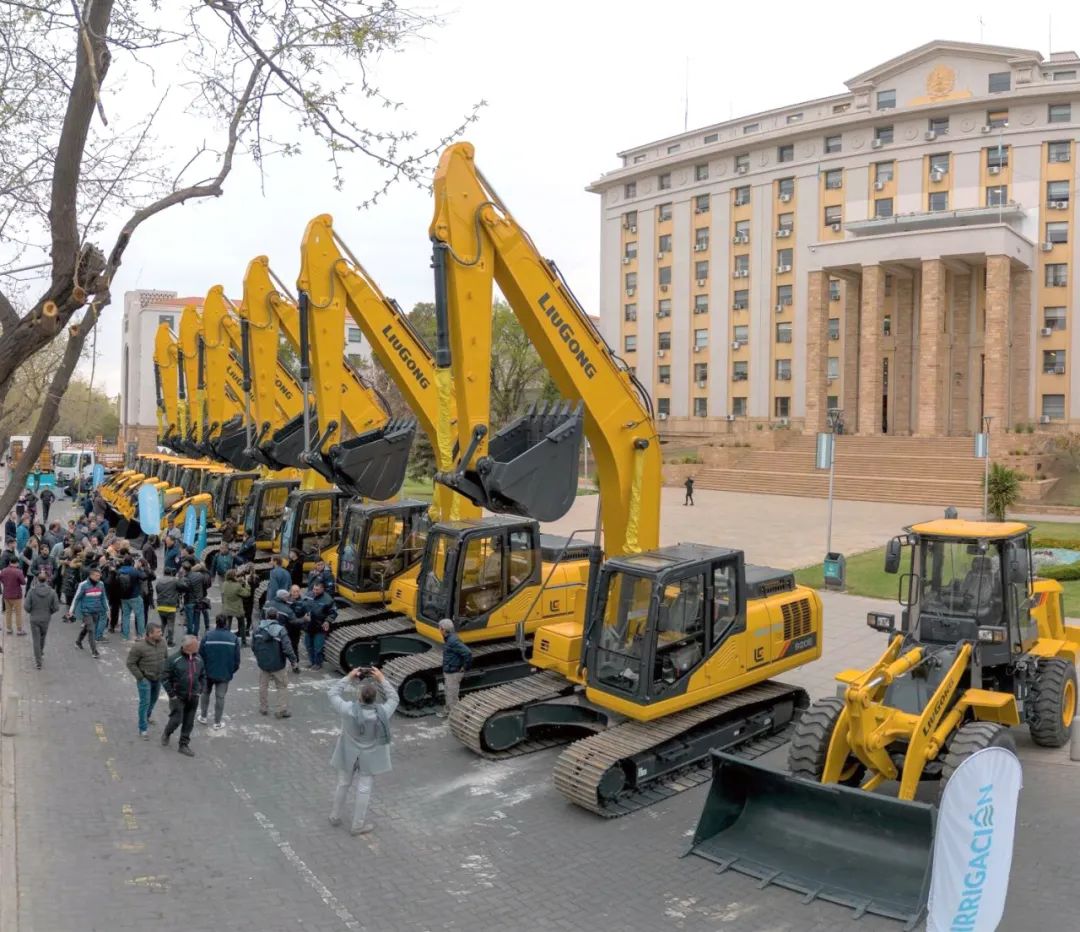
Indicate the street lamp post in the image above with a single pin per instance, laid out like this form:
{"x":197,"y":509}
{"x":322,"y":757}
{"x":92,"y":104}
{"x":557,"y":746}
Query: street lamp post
{"x":982,"y":451}
{"x":826,"y":459}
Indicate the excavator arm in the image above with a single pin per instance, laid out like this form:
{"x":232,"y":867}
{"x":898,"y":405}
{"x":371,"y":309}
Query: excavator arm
{"x":165,"y":385}
{"x":191,"y":390}
{"x":477,"y":243}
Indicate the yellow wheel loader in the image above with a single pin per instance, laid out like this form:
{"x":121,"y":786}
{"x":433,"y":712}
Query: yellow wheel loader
{"x":981,"y":648}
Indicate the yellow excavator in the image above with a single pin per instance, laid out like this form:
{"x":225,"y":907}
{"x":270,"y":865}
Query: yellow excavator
{"x":670,"y":650}
{"x":982,"y":647}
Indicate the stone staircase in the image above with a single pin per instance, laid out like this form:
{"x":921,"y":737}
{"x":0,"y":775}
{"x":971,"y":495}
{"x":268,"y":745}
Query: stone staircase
{"x":910,"y":470}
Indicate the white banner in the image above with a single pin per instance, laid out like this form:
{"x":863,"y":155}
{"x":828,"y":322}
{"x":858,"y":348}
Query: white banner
{"x":974,"y":843}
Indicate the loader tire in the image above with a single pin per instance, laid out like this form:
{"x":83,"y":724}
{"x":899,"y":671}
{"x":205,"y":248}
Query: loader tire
{"x":1053,"y":701}
{"x":966,"y":740}
{"x":810,"y":744}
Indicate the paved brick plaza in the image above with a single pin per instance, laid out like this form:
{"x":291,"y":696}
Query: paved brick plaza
{"x":117,"y":834}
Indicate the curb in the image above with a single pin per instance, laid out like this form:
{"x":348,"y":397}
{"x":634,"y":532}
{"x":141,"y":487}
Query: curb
{"x":9,"y":887}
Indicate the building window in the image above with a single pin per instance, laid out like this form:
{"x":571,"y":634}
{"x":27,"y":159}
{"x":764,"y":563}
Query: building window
{"x":168,"y":319}
{"x":1057,"y":232}
{"x":783,"y":332}
{"x":1063,"y":76}
{"x":742,"y":162}
{"x":833,"y":214}
{"x":701,"y":372}
{"x":630,"y":343}
{"x":782,"y":406}
{"x":740,"y":369}
{"x":997,"y":119}
{"x":629,"y":221}
{"x":938,"y":200}
{"x":1053,"y":407}
{"x":834,"y":179}
{"x":701,"y":204}
{"x":833,"y":144}
{"x":630,"y":189}
{"x":639,"y":158}
{"x":939,"y":126}
{"x":834,"y":289}
{"x":663,"y":375}
{"x":1054,"y":318}
{"x":999,"y":82}
{"x":663,"y":340}
{"x":1058,"y":191}
{"x":783,"y":370}
{"x":785,"y":153}
{"x":630,"y":250}
{"x":631,"y":282}
{"x":701,"y":173}
{"x":701,"y":304}
{"x":1054,"y":362}
{"x":1060,"y":151}
{"x":742,"y":230}
{"x":701,"y":269}
{"x":1057,"y":274}
{"x":751,"y":128}
{"x":832,"y":368}
{"x":741,"y":332}
{"x":783,"y":295}
{"x":742,"y":196}
{"x":883,"y":134}
{"x":701,"y":407}
{"x":784,"y":258}
{"x":939,"y":162}
{"x":886,"y":100}
{"x":663,"y":407}
{"x":888,"y":284}
{"x":673,"y":148}
{"x":711,"y":138}
{"x":997,"y":157}
{"x":701,"y":239}
{"x":663,"y":307}
{"x":738,"y":406}
{"x":663,"y":274}
{"x":663,"y":212}
{"x":882,"y":207}
{"x":701,"y":339}
{"x":997,"y":195}
{"x":794,"y":118}
{"x":785,"y":221}
{"x":742,"y":263}
{"x":886,"y":322}
{"x":785,"y":187}
{"x":883,"y":172}
{"x":630,"y":312}
{"x":832,"y":402}
{"x":664,"y":181}
{"x":1059,"y":113}
{"x":741,"y":299}
{"x":663,"y":243}
{"x":834,"y":328}
{"x":354,"y":335}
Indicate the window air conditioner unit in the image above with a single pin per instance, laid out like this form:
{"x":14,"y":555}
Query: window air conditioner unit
{"x":660,"y":354}
{"x":625,"y":260}
{"x":735,"y":344}
{"x":785,"y":198}
{"x":739,"y":377}
{"x":836,"y":228}
{"x":699,"y":210}
{"x":879,"y":185}
{"x":784,"y":232}
{"x":830,"y":378}
{"x":699,"y":349}
{"x":1059,"y":370}
{"x":936,"y":175}
{"x":987,"y":128}
{"x":1059,"y":205}
{"x":929,"y":135}
{"x":664,"y":288}
{"x":701,"y":282}
{"x":630,"y":292}
{"x":660,"y":255}
{"x":740,"y":238}
{"x":1046,"y":247}
{"x":783,"y":376}
{"x":661,"y":416}
{"x":834,"y":297}
{"x":1044,"y":419}
{"x":782,"y":269}
{"x":1046,"y":331}
{"x":783,"y":422}
{"x":700,"y":247}
{"x":994,"y":169}
{"x":876,"y":144}
{"x":730,"y":417}
{"x":738,"y":306}
{"x":702,"y":383}
{"x":633,"y":229}
{"x":780,"y":308}
{"x":741,"y":169}
{"x":834,"y":336}
{"x":742,"y":273}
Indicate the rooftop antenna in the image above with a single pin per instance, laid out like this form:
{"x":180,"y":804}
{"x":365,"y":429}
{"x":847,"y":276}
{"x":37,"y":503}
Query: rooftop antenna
{"x":982,"y":26}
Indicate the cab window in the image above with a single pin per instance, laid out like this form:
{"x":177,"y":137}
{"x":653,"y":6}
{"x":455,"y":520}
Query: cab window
{"x":725,"y":602}
{"x":434,"y":595}
{"x":523,"y":558}
{"x":273,"y":506}
{"x":680,"y":630}
{"x":482,"y":587}
{"x":316,"y":526}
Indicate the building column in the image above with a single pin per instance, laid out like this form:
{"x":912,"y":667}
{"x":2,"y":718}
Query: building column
{"x":849,"y":355}
{"x":959,"y":356}
{"x":817,"y":350}
{"x":932,"y":318}
{"x":996,"y":341}
{"x":1021,"y":346}
{"x":870,"y":323}
{"x":903,"y":324}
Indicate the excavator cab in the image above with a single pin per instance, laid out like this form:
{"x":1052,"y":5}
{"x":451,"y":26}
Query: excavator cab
{"x":531,"y":467}
{"x":311,"y":522}
{"x":379,"y":543}
{"x":265,"y":510}
{"x":371,"y":464}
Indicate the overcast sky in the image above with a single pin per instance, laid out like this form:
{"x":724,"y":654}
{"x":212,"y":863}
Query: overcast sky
{"x":568,"y":84}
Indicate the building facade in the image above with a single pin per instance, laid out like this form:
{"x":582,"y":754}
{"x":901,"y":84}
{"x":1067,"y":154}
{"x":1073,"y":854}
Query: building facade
{"x":144,"y":311}
{"x":903,"y":252}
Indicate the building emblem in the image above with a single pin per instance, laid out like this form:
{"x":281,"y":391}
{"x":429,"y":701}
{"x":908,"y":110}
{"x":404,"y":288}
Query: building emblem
{"x":940,"y":81}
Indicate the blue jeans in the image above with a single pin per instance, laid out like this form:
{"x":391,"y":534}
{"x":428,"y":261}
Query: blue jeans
{"x":314,"y":644}
{"x":148,"y":697}
{"x":102,"y":624}
{"x":129,"y":607}
{"x":192,"y":614}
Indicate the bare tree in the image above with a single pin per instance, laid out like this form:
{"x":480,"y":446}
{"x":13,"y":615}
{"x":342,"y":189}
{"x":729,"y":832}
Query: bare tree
{"x":261,"y":73}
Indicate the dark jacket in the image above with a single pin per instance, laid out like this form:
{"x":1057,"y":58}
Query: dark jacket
{"x":271,"y":646}
{"x":319,"y":610}
{"x":194,"y":585}
{"x":172,"y":559}
{"x":279,"y":579}
{"x":326,"y":577}
{"x":184,"y":676}
{"x":72,"y":576}
{"x":41,"y":602}
{"x":149,"y":554}
{"x":246,"y":553}
{"x":129,"y":582}
{"x":287,"y":612}
{"x":220,"y":651}
{"x":168,"y":593}
{"x":223,"y":562}
{"x":456,"y":655}
{"x":145,"y":661}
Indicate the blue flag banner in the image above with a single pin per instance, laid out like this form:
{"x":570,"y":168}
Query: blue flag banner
{"x":149,"y":509}
{"x":190,"y":526}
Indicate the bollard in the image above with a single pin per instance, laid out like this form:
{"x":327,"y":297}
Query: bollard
{"x":1074,"y":743}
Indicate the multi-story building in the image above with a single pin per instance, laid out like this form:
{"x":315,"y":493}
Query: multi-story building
{"x":144,"y":311}
{"x":903,"y":251}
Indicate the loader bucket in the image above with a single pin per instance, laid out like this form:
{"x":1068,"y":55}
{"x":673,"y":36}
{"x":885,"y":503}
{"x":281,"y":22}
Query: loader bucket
{"x":373,"y":463}
{"x":531,"y":468}
{"x":283,"y":448}
{"x":230,"y":445}
{"x":854,"y":848}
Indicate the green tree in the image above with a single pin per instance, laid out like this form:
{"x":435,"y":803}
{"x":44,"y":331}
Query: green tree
{"x":1003,"y":490}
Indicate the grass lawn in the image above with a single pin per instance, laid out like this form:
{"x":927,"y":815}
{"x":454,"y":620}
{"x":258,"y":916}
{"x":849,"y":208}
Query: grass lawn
{"x":414,"y":489}
{"x":866,"y":574}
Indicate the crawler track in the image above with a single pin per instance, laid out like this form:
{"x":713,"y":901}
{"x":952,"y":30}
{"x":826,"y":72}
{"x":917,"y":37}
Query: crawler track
{"x":348,"y":631}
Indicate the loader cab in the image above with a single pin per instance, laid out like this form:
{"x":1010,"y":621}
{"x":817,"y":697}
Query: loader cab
{"x":265,"y":510}
{"x":971,"y":581}
{"x":379,"y":542}
{"x":311,"y":522}
{"x":658,"y":615}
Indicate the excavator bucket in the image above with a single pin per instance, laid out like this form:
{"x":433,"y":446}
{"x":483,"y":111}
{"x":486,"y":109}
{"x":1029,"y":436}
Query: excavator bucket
{"x":837,"y":843}
{"x":373,"y":463}
{"x":230,"y":445}
{"x":531,"y":468}
{"x":284,"y":447}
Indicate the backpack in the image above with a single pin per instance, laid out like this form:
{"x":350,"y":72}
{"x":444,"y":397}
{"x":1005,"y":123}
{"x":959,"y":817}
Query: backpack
{"x":128,"y":585}
{"x":267,"y":649}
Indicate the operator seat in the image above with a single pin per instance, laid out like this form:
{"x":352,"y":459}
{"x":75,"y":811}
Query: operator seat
{"x":981,"y":586}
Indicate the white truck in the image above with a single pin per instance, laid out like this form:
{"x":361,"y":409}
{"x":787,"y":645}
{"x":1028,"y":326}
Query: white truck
{"x":72,"y":465}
